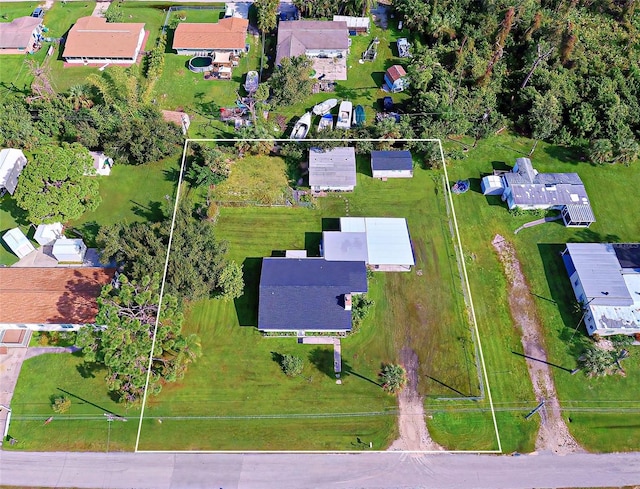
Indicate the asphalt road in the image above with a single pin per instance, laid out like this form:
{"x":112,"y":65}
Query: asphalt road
{"x":298,"y":471}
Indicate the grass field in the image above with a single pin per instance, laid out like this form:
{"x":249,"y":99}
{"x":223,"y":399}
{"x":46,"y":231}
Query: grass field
{"x":237,"y":375}
{"x":480,"y":219}
{"x":85,"y":426}
{"x":125,"y":198}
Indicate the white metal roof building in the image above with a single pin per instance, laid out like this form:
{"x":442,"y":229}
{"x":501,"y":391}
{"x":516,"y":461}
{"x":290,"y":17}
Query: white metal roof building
{"x":383,"y":243}
{"x":18,"y":242}
{"x":606,"y":280}
{"x":47,"y":233}
{"x":69,"y":250}
{"x":12,"y":161}
{"x":332,"y":169}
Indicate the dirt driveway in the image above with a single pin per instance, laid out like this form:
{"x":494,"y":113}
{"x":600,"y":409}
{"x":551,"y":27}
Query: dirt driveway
{"x":553,"y":434}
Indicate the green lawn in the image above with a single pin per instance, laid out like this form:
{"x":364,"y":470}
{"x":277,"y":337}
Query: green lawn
{"x":84,"y":427}
{"x":131,"y":193}
{"x":480,"y":219}
{"x":237,"y":375}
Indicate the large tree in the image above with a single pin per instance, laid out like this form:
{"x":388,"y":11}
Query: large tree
{"x":16,"y":126}
{"x":57,"y":185}
{"x":291,"y":82}
{"x":123,"y":340}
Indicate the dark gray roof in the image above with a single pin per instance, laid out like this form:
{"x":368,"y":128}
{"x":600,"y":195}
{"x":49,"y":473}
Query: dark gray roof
{"x":628,"y":255}
{"x":307,"y":293}
{"x":391,"y":160}
{"x":295,"y":37}
{"x":549,"y":194}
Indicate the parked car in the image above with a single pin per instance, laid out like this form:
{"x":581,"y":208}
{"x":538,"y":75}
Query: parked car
{"x":38,"y":13}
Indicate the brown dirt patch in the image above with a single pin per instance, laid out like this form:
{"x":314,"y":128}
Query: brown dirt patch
{"x":553,"y":434}
{"x":414,"y":435}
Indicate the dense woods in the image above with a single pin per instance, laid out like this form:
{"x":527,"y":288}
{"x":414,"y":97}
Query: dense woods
{"x":563,"y":71}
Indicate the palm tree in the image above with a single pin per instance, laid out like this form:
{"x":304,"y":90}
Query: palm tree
{"x":79,"y":97}
{"x":394,"y":378}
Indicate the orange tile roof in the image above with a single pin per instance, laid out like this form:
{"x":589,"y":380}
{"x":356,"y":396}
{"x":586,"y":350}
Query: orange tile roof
{"x":94,"y":37}
{"x":51,"y":295}
{"x":229,"y":33}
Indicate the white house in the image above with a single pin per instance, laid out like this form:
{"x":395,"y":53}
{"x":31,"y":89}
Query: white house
{"x":527,"y":189}
{"x":21,"y":35}
{"x":313,"y":38}
{"x":93,"y":40}
{"x":383,"y":243}
{"x":69,"y":250}
{"x":50,"y":299}
{"x":12,"y":161}
{"x":47,"y":233}
{"x":18,"y":242}
{"x":391,"y":164}
{"x":332,"y":169}
{"x":606,"y":280}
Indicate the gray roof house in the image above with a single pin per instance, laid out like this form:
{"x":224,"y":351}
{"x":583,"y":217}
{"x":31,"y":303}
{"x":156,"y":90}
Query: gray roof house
{"x":311,"y":37}
{"x":606,"y":280}
{"x":332,"y":169}
{"x":20,"y":36}
{"x":391,"y":164}
{"x":308,"y":294}
{"x":527,"y":189}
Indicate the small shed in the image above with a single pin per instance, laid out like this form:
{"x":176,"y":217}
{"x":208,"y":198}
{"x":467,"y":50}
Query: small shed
{"x":332,"y":169}
{"x":102,"y":163}
{"x":18,"y":242}
{"x":391,"y":164}
{"x":356,"y":25}
{"x":396,"y":79}
{"x":69,"y":250}
{"x":492,"y":185}
{"x":48,"y":233}
{"x":12,"y":161}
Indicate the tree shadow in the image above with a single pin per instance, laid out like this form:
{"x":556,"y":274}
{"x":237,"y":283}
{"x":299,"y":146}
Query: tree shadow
{"x":152,"y":212}
{"x":8,"y":204}
{"x":89,"y":230}
{"x":85,"y":401}
{"x":247,"y":304}
{"x":87,"y":370}
{"x":312,"y":243}
{"x":172,"y":174}
{"x":322,"y":359}
{"x":77,"y":304}
{"x":587,"y":235}
{"x":11,"y":87}
{"x":277,"y":358}
{"x":565,"y":154}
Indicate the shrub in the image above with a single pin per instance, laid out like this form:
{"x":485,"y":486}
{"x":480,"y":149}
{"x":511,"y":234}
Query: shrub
{"x":61,"y":405}
{"x":292,"y":365}
{"x":394,"y":378}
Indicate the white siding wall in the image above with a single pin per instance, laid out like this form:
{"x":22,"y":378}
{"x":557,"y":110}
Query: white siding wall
{"x":392,"y":173}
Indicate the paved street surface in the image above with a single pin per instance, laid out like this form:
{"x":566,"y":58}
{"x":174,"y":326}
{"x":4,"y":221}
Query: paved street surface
{"x":298,"y":471}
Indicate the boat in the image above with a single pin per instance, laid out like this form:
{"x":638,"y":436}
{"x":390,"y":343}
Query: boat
{"x":325,"y":107}
{"x":301,"y":128}
{"x":326,"y":122}
{"x":344,"y":115}
{"x":251,"y":82}
{"x":358,"y":116}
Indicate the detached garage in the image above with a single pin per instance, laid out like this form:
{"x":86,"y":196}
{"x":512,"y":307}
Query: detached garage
{"x":391,"y":164}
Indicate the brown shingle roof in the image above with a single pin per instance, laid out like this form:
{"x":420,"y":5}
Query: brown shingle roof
{"x":295,"y":37}
{"x":94,"y":37}
{"x":228,"y":33}
{"x":51,"y":295}
{"x":17,"y":33}
{"x":396,"y":72}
